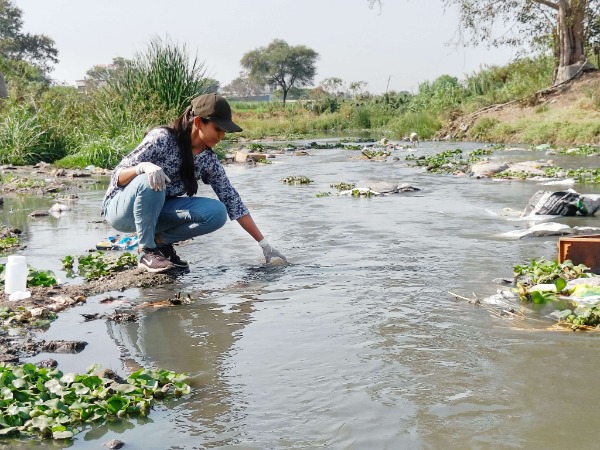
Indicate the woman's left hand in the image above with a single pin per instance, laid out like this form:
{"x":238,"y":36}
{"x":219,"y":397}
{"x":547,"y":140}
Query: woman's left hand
{"x":270,"y":252}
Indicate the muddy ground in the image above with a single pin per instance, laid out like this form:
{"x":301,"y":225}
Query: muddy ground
{"x":21,"y":317}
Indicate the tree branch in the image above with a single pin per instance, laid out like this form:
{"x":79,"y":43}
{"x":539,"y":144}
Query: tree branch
{"x":548,"y":3}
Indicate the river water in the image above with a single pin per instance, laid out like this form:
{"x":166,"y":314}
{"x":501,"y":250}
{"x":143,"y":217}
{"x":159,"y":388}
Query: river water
{"x":357,"y":343}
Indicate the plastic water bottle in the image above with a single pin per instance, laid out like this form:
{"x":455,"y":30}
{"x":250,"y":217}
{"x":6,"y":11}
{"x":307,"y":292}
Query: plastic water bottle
{"x":16,"y":274}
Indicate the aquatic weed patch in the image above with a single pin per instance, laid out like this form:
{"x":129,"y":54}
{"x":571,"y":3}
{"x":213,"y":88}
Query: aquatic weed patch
{"x":14,"y":183}
{"x":98,"y":264}
{"x":7,"y":242}
{"x":583,"y":175}
{"x":343,"y":186}
{"x":296,"y":179}
{"x":34,"y":277}
{"x":565,"y":293}
{"x":50,"y":404}
{"x":449,"y":161}
{"x":362,"y":193}
{"x":20,"y":316}
{"x":376,"y":153}
{"x":582,"y":150}
{"x":569,"y":311}
{"x":540,"y":271}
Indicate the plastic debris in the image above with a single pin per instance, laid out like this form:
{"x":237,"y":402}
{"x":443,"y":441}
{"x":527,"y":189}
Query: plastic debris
{"x":114,"y":243}
{"x":19,"y":295}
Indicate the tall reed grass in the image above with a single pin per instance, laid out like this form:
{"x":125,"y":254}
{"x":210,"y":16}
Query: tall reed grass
{"x":24,"y":139}
{"x":163,"y":78}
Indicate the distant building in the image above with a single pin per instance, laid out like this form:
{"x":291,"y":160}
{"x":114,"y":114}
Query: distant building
{"x":80,"y":85}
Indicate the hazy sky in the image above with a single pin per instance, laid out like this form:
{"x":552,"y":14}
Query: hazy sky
{"x":407,"y":42}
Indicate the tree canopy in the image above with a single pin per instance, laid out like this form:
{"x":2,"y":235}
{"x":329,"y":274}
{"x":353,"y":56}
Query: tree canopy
{"x":17,"y":46}
{"x":569,"y":26}
{"x":281,"y":64}
{"x":243,"y":86}
{"x":100,"y":74}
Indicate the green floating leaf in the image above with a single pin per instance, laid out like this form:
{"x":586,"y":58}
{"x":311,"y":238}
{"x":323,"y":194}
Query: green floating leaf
{"x":19,"y":383}
{"x":538,"y":298}
{"x":64,"y":434}
{"x":10,"y":431}
{"x":92,"y":381}
{"x":68,"y":378}
{"x":116,"y":404}
{"x":560,"y":284}
{"x":42,"y":422}
{"x":80,"y":388}
{"x":123,"y":388}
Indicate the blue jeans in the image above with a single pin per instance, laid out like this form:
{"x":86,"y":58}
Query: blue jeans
{"x":137,"y":208}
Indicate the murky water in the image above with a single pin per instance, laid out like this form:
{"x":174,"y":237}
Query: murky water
{"x":354,"y":345}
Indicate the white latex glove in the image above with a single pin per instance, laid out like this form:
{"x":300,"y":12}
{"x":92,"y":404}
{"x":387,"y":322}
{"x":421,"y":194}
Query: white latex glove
{"x":270,"y":252}
{"x":156,"y":176}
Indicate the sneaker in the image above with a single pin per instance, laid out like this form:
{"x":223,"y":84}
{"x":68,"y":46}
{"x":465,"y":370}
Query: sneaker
{"x":154,"y":262}
{"x":169,"y":252}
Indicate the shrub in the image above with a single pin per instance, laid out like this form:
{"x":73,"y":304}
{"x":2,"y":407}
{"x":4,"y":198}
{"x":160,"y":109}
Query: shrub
{"x":424,"y":123}
{"x":361,"y":118}
{"x":101,"y":151}
{"x":23,"y":138}
{"x":482,"y":127}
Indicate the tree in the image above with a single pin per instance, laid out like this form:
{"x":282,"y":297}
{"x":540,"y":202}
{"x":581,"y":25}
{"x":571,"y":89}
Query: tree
{"x":358,"y":89}
{"x":36,"y":49}
{"x":333,"y":86}
{"x":565,"y":22}
{"x":100,"y":74}
{"x":281,"y":64}
{"x":243,"y":86}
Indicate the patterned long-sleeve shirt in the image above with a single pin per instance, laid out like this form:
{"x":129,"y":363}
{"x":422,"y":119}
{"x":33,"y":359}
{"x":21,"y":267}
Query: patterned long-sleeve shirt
{"x":160,"y":147}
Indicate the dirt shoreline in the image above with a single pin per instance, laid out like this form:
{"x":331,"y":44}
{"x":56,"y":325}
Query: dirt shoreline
{"x":22,"y":317}
{"x":562,"y":109}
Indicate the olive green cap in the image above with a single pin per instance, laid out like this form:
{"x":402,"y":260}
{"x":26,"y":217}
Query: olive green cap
{"x":216,"y":109}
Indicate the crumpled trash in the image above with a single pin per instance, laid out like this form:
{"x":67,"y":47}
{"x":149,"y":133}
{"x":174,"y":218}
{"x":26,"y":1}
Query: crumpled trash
{"x":561,"y":203}
{"x":19,"y":295}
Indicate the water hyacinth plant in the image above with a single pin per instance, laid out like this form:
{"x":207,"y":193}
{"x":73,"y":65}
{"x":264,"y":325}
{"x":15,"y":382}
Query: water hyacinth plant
{"x":296,"y":179}
{"x":50,"y":404}
{"x":34,"y":277}
{"x":98,"y":264}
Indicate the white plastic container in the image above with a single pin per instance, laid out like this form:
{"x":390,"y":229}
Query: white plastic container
{"x":16,"y":274}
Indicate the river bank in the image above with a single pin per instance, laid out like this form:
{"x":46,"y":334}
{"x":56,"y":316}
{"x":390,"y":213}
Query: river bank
{"x":566,"y":115}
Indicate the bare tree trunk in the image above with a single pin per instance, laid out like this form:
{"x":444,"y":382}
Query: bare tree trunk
{"x":570,"y":34}
{"x":3,"y":88}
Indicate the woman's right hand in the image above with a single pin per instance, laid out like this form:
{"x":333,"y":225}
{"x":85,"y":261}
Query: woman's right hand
{"x":156,"y":176}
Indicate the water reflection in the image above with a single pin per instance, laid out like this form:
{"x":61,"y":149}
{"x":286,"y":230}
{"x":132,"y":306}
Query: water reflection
{"x":199,"y":340}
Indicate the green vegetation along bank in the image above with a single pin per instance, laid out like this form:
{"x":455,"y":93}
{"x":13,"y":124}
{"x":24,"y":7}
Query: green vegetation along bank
{"x":97,"y":126}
